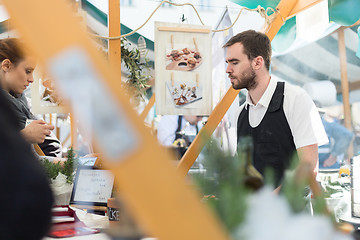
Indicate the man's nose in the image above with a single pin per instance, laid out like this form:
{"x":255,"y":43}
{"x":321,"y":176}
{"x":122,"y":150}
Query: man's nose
{"x":228,"y":69}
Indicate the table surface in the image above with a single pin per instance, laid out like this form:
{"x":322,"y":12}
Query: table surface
{"x":97,"y":236}
{"x":349,"y":219}
{"x":93,"y":221}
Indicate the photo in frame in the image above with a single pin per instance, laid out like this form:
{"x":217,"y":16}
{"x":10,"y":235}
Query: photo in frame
{"x":183,"y":69}
{"x":92,"y":186}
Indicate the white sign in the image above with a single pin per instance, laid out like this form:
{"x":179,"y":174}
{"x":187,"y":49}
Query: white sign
{"x":92,"y":185}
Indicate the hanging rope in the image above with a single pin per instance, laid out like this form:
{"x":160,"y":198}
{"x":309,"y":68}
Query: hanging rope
{"x":263,"y":13}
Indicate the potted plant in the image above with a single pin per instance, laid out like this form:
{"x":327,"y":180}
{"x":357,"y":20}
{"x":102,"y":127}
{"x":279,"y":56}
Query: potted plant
{"x":61,"y":176}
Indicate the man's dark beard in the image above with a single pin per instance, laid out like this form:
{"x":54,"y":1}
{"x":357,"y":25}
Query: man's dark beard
{"x":247,"y":80}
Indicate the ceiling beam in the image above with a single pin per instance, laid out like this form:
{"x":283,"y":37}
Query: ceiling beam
{"x":355,"y":24}
{"x":301,"y":6}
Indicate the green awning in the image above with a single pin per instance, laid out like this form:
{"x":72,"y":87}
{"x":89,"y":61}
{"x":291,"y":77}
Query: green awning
{"x":343,"y":12}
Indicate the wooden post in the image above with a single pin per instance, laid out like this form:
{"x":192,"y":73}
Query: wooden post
{"x":344,"y":78}
{"x":345,"y":84}
{"x":147,"y":108}
{"x":284,"y":8}
{"x":57,"y":129}
{"x":154,"y":193}
{"x":114,"y":30}
{"x":301,"y":6}
{"x":73,"y":132}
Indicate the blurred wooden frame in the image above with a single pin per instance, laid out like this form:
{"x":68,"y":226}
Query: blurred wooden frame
{"x":153,"y":194}
{"x":38,"y":150}
{"x":150,"y":199}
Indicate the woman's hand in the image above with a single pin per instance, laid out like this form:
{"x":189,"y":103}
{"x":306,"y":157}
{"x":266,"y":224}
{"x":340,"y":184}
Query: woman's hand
{"x":36,"y":131}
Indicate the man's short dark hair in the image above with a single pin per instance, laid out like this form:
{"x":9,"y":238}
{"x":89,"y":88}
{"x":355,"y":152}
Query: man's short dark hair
{"x":255,"y":44}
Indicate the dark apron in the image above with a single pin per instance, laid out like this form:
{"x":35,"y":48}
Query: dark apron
{"x":272,"y":139}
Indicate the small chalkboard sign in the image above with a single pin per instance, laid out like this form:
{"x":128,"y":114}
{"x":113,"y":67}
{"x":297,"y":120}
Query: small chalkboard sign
{"x":92,"y":186}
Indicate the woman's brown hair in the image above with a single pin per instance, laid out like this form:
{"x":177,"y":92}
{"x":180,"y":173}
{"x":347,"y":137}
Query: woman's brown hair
{"x":11,"y":48}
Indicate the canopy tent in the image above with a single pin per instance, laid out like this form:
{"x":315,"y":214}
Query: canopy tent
{"x":300,"y":62}
{"x":97,"y":21}
{"x":319,"y":60}
{"x":296,"y":62}
{"x":342,"y":12}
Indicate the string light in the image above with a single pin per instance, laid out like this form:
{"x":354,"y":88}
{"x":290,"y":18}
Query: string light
{"x":263,"y":13}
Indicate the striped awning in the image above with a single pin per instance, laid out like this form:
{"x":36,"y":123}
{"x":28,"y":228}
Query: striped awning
{"x":319,"y":61}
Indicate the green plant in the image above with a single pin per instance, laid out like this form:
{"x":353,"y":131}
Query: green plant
{"x":51,"y":169}
{"x":230,"y":180}
{"x":138,"y":72}
{"x":70,"y":165}
{"x":67,"y":167}
{"x":223,"y":185}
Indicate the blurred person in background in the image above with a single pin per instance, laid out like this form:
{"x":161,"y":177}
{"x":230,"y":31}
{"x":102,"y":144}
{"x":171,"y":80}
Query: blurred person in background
{"x":333,"y":154}
{"x":178,"y":132}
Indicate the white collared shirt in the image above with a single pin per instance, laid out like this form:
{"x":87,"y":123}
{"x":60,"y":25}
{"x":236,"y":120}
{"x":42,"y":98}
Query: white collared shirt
{"x":300,"y":111}
{"x":166,"y":129}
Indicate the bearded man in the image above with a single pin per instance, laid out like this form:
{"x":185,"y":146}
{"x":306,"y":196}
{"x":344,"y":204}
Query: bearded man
{"x":280,"y":118}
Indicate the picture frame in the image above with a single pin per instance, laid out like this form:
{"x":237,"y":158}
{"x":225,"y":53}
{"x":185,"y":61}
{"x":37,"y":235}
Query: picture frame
{"x":183,"y":59}
{"x":92,"y":186}
{"x":45,"y":98}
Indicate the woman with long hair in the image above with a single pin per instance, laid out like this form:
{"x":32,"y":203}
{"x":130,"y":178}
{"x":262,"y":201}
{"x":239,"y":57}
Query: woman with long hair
{"x":16,"y":74}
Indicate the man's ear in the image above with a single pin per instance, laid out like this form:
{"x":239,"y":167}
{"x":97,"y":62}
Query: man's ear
{"x":6,"y":65}
{"x":258,"y":62}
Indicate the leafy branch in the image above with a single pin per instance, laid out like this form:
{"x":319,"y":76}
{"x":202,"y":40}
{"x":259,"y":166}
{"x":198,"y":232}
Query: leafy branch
{"x":138,"y":72}
{"x":67,"y":167}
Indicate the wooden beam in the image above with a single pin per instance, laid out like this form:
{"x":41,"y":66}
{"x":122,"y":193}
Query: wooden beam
{"x":345,"y":85}
{"x":355,"y":24}
{"x":147,"y":108}
{"x":65,"y":140}
{"x":114,"y":30}
{"x":301,"y":6}
{"x":38,"y":150}
{"x":73,"y":132}
{"x":344,"y":79}
{"x":191,"y":30}
{"x":205,"y":132}
{"x":164,"y":205}
{"x":284,"y":7}
{"x":57,"y":128}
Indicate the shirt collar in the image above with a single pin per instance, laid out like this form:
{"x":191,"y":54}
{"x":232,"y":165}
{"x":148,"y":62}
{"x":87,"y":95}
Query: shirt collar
{"x":266,"y":97}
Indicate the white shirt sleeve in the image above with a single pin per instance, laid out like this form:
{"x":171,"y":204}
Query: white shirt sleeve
{"x":303,"y":118}
{"x":166,"y":129}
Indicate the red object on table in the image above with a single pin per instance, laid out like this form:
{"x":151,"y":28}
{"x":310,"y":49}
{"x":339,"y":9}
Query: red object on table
{"x":67,"y":224}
